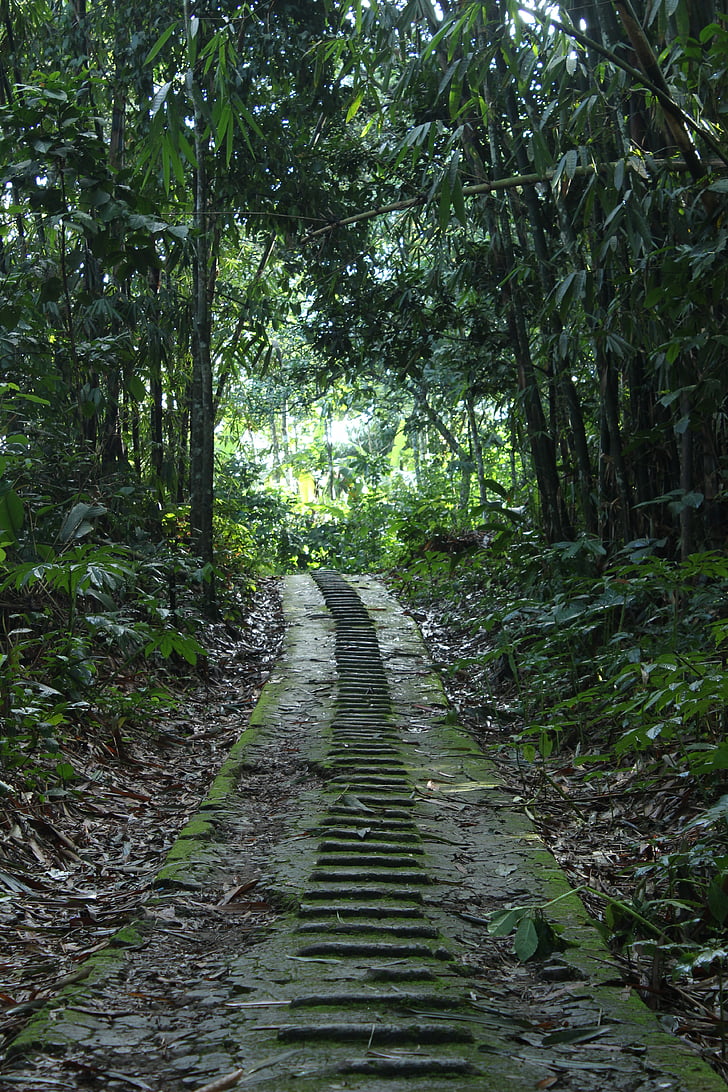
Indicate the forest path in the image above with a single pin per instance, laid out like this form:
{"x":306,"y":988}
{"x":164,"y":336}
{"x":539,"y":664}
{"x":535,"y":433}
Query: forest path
{"x":322,"y":923}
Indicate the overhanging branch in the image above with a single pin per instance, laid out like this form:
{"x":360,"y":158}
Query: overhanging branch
{"x":472,"y":191}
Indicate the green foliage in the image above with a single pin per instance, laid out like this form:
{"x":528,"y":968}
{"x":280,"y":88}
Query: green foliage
{"x":612,"y":663}
{"x":534,"y":937}
{"x":71,"y":619}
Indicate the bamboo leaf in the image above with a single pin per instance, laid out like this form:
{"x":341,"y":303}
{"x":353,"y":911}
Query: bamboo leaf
{"x":166,"y":168}
{"x":618,"y":174}
{"x":354,"y":107}
{"x":160,"y":43}
{"x":245,"y":118}
{"x":458,"y":202}
{"x":576,"y":1035}
{"x":159,"y":98}
{"x":223,"y":123}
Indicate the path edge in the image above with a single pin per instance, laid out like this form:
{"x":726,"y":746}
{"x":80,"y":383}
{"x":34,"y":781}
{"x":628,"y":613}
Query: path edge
{"x":187,"y":848}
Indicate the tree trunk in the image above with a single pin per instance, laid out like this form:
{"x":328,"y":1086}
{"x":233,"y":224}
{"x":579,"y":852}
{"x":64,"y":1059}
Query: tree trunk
{"x":559,"y":376}
{"x":477,"y":447}
{"x":556,"y":523}
{"x":687,"y":512}
{"x":464,"y":459}
{"x":616,"y":493}
{"x":156,"y":413}
{"x":202,"y":424}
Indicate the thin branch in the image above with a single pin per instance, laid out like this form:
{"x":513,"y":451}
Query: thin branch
{"x":472,"y":191}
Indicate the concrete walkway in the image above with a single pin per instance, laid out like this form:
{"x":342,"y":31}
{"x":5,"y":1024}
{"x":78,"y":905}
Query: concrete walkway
{"x":322,"y":923}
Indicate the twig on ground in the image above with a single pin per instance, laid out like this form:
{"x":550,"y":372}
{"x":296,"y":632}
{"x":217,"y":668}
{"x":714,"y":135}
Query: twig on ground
{"x":228,"y":1081}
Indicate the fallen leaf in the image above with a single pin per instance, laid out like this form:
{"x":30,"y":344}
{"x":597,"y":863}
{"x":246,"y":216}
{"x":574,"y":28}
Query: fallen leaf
{"x":575,"y":1035}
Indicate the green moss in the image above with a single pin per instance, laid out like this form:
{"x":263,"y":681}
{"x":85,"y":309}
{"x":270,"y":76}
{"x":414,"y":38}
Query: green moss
{"x":127,"y":937}
{"x":42,"y":1029}
{"x":182,"y":850}
{"x":197,"y":828}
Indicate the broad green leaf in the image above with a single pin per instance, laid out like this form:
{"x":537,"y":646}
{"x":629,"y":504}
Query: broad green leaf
{"x":136,"y":388}
{"x":159,"y":98}
{"x":496,"y":487}
{"x":12,"y":512}
{"x":76,"y":524}
{"x":525,"y":942}
{"x":505,"y":921}
{"x":718,"y":899}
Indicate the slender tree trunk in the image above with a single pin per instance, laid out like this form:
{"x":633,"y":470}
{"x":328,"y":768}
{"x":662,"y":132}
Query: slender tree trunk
{"x":559,"y":376}
{"x":330,"y":456}
{"x":464,"y":459}
{"x":477,"y":447}
{"x":641,"y":397}
{"x":556,"y":522}
{"x":135,"y":442}
{"x":202,"y":425}
{"x":616,"y":492}
{"x":557,"y":526}
{"x":414,"y":439}
{"x":156,"y":412}
{"x":156,"y":416}
{"x":112,"y":444}
{"x":183,"y":445}
{"x":687,"y":512}
{"x":285,"y":440}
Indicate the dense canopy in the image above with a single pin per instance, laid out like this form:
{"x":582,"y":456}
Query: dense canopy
{"x":504,"y":224}
{"x":435,"y":287}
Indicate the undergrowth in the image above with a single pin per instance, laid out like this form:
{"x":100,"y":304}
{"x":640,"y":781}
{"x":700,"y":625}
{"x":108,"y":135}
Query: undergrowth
{"x":611,"y":668}
{"x":97,"y":637}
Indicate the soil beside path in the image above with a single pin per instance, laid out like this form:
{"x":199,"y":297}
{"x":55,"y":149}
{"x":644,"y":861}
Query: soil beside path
{"x":322,"y":922}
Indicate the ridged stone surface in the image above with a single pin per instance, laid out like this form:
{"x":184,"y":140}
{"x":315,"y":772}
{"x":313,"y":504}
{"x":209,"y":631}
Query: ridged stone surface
{"x":391,"y":843}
